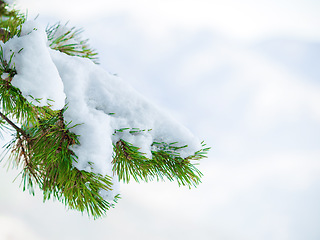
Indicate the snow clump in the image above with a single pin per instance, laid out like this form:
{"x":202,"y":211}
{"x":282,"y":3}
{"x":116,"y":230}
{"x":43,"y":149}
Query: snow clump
{"x":37,"y":77}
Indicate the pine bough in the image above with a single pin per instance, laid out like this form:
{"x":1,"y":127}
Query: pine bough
{"x":44,"y":144}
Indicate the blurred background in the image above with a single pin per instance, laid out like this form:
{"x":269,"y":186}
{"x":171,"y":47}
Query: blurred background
{"x":241,"y":75}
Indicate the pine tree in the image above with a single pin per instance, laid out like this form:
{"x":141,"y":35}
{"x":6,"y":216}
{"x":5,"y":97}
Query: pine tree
{"x":43,"y":143}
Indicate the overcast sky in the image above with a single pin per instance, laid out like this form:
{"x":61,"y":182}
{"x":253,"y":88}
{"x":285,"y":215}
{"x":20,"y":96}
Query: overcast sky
{"x":244,"y":77}
{"x":240,"y":19}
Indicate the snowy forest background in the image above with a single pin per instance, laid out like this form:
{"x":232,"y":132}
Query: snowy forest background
{"x":242,"y":76}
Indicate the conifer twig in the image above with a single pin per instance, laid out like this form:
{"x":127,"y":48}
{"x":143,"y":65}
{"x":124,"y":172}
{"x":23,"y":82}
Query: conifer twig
{"x":13,"y":125}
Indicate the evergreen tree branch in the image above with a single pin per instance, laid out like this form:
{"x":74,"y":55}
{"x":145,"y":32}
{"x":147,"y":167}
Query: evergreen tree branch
{"x":43,"y":141}
{"x":68,"y":40}
{"x":165,"y":162}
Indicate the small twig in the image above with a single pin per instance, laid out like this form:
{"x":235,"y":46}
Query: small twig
{"x":3,"y":33}
{"x":123,"y":146}
{"x":13,"y":125}
{"x":27,"y":162}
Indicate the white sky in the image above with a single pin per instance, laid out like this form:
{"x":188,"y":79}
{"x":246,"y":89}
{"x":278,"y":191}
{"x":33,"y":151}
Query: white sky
{"x":247,"y":19}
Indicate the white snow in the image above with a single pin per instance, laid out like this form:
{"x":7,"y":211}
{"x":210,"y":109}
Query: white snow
{"x":100,"y":102}
{"x":37,"y":77}
{"x":92,"y":95}
{"x":4,"y":75}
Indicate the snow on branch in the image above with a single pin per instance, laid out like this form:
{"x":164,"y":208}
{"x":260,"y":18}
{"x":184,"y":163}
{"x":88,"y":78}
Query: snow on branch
{"x":79,"y":130}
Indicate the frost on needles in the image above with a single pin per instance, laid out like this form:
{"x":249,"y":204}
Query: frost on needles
{"x":77,"y":130}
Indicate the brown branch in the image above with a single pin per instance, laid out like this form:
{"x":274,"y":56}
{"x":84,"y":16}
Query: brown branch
{"x":23,"y":133}
{"x":27,"y":163}
{"x":124,"y":149}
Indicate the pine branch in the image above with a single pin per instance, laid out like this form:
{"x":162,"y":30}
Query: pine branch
{"x":13,"y":125}
{"x":68,"y":40}
{"x":165,"y":162}
{"x":10,"y":22}
{"x":43,"y":141}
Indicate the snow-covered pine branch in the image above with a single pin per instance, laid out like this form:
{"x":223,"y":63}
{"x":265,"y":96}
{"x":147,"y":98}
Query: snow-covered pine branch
{"x":79,"y":130}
